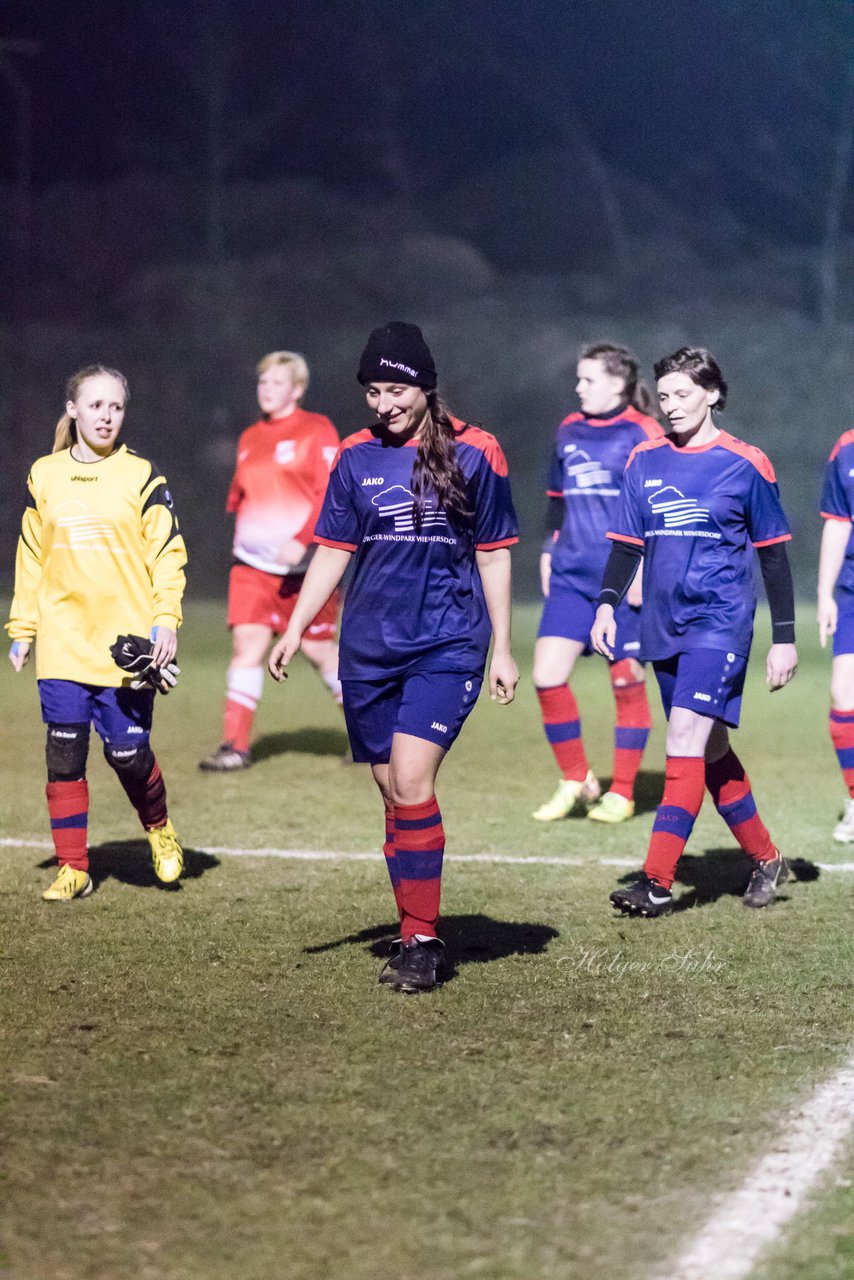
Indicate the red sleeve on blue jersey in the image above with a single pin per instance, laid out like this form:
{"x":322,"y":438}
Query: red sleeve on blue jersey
{"x":765,"y":518}
{"x":837,"y":495}
{"x":495,"y":522}
{"x":338,"y":524}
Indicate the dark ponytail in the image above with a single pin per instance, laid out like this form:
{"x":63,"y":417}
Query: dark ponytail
{"x":622,"y":363}
{"x":437,"y":472}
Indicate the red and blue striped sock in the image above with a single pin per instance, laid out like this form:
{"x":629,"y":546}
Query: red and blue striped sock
{"x":842,"y":737}
{"x":729,"y":787}
{"x":68,"y":806}
{"x":419,"y":847}
{"x":684,"y":785}
{"x":631,"y":730}
{"x":563,"y":730}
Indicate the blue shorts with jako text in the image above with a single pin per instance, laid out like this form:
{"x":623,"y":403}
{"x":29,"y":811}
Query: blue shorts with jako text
{"x":119,"y":715}
{"x":708,"y":681}
{"x":569,"y":613}
{"x":433,"y":705}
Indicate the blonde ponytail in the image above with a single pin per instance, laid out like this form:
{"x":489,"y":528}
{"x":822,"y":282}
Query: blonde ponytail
{"x":66,"y":430}
{"x":65,"y":433}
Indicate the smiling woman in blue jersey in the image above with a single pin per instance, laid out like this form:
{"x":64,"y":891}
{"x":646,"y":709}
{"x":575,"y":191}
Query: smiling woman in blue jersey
{"x":421,"y":503}
{"x":694,"y":504}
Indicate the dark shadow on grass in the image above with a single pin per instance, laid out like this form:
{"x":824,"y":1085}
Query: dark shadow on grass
{"x":129,"y":861}
{"x":723,"y":872}
{"x":312,"y":742}
{"x":474,"y":939}
{"x":649,"y":788}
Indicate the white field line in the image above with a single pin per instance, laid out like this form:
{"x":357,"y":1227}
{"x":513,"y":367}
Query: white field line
{"x":753,"y":1217}
{"x":329,"y":855}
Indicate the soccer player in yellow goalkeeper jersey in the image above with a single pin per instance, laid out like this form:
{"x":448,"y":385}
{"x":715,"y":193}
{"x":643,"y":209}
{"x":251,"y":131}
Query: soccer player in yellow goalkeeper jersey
{"x":99,"y":555}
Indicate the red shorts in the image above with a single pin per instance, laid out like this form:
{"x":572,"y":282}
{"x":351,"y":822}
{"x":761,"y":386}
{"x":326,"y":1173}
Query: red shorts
{"x":265,"y":598}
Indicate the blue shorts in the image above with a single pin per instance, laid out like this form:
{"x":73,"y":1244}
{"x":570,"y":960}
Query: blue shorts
{"x":709,"y":681}
{"x":120,"y":715}
{"x":569,"y":613}
{"x":432,"y":705}
{"x":843,"y":637}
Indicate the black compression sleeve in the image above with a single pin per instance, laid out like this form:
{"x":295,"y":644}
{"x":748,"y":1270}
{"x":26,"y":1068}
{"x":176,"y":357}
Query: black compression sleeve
{"x":555,"y":512}
{"x":621,"y":568}
{"x":777,"y":576}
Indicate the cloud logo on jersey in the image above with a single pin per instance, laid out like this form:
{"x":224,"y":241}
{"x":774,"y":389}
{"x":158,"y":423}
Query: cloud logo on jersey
{"x":285,"y":451}
{"x":397,"y":504}
{"x":676,"y":509}
{"x":585,"y":472}
{"x":86,"y":532}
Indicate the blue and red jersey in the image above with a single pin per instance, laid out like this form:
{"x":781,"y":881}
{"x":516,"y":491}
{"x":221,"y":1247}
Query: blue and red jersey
{"x":837,"y":499}
{"x":586,"y":470}
{"x":415,"y":594}
{"x":697,"y":513}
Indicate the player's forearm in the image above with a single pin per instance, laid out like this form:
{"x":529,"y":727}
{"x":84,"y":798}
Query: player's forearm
{"x":779,"y":588}
{"x":322,"y":577}
{"x":834,"y":544}
{"x":619,"y":572}
{"x":494,"y":569}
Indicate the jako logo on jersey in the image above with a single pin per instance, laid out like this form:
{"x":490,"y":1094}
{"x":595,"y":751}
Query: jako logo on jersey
{"x":652,"y":484}
{"x":373,"y":480}
{"x":404,"y":368}
{"x":443,"y":728}
{"x":397,"y":503}
{"x":285,"y":451}
{"x":676,"y":509}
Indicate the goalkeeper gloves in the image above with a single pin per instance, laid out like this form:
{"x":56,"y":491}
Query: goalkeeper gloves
{"x":133,"y":655}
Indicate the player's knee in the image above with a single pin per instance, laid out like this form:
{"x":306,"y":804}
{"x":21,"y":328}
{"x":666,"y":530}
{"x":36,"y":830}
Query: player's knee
{"x":66,"y":752}
{"x":626,"y":671}
{"x":133,"y":761}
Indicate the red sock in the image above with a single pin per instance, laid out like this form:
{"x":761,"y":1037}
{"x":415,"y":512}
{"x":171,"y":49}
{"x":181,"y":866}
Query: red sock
{"x":245,"y":686}
{"x":419,"y":847}
{"x":729,"y":787}
{"x":842,"y":737}
{"x":684,"y":784}
{"x":388,"y":852}
{"x":68,"y":806}
{"x":148,"y":798}
{"x":563,"y":730}
{"x":632,"y":728}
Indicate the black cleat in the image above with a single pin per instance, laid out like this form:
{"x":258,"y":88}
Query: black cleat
{"x":645,"y":897}
{"x":388,"y":973}
{"x":226,"y":759}
{"x":764,"y":881}
{"x":418,"y":966}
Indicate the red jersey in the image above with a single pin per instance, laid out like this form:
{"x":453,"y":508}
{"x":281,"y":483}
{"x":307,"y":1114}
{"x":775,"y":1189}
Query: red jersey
{"x":278,"y":487}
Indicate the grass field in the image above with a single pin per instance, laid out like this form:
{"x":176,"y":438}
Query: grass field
{"x":207,"y":1083}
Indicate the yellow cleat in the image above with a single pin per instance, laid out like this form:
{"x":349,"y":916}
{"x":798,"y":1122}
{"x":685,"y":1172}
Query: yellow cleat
{"x":612,"y":808}
{"x":569,"y":797}
{"x":166,"y":852}
{"x":69,"y":884}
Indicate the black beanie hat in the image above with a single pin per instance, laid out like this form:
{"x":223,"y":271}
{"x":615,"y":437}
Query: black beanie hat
{"x":397,"y":352}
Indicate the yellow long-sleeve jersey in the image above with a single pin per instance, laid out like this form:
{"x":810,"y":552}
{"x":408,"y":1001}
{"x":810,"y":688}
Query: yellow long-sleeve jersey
{"x":99,"y":555}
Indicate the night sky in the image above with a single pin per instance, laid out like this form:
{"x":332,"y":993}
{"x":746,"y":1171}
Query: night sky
{"x":732,"y":104}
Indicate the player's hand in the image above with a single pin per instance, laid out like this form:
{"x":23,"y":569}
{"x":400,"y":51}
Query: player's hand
{"x":19,"y":654}
{"x":291,"y":554}
{"x":827,"y":617}
{"x":503,"y":678}
{"x":545,"y":573}
{"x":603,"y":633}
{"x":165,"y":645}
{"x":634,"y":595}
{"x":781,"y":665}
{"x":281,"y":653}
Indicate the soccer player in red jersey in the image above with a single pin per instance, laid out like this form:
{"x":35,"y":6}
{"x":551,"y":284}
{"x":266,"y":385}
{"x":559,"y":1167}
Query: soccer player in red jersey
{"x":420,"y":502}
{"x":585,"y":473}
{"x":694,"y":504}
{"x":836,"y":613}
{"x":282,"y":470}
